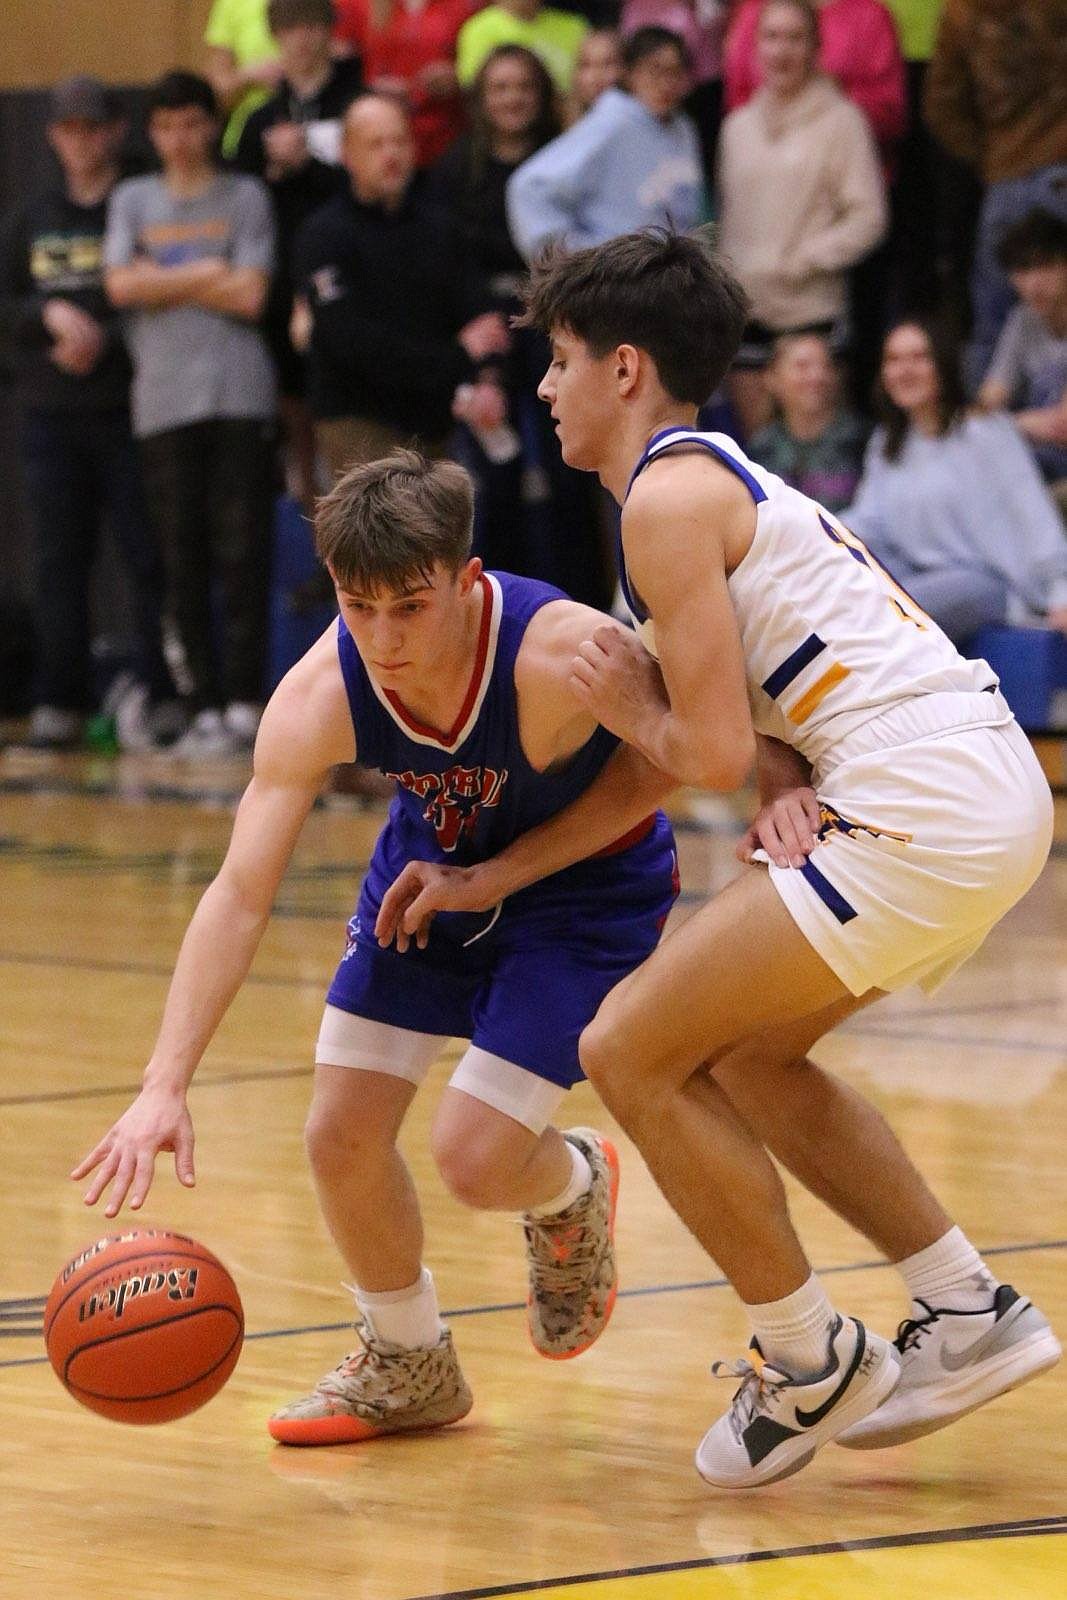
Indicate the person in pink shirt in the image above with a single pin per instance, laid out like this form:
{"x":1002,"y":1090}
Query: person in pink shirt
{"x":860,"y":51}
{"x":408,"y":47}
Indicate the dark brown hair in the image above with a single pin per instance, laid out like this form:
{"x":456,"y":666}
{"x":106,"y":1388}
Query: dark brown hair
{"x":283,"y":14}
{"x":386,"y":524}
{"x":951,"y":394}
{"x":667,"y":293}
{"x":1036,"y":240}
{"x":545,"y":124}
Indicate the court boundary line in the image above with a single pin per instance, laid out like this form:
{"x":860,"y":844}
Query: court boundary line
{"x":1031,"y":1527}
{"x":1023,"y":1247}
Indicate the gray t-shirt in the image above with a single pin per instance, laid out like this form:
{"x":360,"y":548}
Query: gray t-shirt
{"x":1031,"y":362}
{"x":191,"y":364}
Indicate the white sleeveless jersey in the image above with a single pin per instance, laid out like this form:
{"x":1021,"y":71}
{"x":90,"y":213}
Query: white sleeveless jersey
{"x":830,"y":640}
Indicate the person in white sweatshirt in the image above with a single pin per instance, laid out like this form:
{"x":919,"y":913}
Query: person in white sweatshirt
{"x":802,"y":198}
{"x":631,"y":162}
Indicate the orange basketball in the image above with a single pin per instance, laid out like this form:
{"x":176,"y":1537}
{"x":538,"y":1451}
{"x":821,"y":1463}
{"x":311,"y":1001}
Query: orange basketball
{"x":144,"y":1326}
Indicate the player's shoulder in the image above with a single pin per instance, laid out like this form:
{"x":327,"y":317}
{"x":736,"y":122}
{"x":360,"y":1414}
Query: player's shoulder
{"x":688,"y":474}
{"x":554,"y":633}
{"x":307,"y":722}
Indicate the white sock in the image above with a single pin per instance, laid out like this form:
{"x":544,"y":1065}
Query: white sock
{"x":794,"y":1333}
{"x":406,"y":1317}
{"x":581,"y":1181}
{"x":949,"y":1275}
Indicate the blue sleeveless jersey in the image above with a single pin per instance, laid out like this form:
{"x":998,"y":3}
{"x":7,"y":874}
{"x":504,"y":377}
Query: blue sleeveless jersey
{"x":521,"y":981}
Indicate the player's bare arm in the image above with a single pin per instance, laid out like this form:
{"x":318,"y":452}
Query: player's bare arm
{"x":306,"y":729}
{"x":553,"y":727}
{"x":686,"y":525}
{"x":787,"y":822}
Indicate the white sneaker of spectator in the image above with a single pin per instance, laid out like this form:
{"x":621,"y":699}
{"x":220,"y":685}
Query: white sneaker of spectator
{"x":207,"y":736}
{"x":241,"y":718}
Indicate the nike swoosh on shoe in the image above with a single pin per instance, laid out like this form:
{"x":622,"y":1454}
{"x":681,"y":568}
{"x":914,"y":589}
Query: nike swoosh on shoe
{"x":808,"y":1419}
{"x":952,"y":1361}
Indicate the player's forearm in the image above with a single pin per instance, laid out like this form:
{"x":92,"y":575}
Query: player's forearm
{"x":213,"y":962}
{"x":712,"y":757}
{"x":778,"y":768}
{"x":623,"y":794}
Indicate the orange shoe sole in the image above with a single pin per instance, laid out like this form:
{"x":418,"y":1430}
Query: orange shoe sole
{"x":612,"y":1157}
{"x":343,"y":1429}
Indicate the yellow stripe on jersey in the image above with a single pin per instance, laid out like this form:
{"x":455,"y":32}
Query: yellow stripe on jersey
{"x":802,"y":709}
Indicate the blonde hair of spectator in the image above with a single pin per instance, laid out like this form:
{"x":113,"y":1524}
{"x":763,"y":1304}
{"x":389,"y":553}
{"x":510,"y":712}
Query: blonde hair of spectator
{"x":387,"y":524}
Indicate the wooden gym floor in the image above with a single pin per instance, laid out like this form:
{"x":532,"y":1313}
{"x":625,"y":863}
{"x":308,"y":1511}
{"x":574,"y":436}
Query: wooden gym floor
{"x":573,"y":1480}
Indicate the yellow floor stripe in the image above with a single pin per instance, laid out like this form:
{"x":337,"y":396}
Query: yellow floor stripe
{"x":982,"y":1569}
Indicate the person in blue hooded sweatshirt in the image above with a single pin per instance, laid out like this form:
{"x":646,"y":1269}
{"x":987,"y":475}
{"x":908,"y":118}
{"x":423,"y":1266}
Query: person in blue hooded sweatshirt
{"x":631,"y":162}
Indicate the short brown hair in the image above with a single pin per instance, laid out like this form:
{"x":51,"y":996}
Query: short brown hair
{"x":666,"y":292}
{"x":283,"y":14}
{"x":387,"y":523}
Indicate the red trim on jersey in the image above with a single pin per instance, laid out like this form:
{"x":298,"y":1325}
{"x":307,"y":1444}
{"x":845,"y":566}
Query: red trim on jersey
{"x":634,"y":836}
{"x":473,"y":688}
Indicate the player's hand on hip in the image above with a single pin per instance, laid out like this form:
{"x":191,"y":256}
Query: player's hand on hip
{"x":125,"y":1158}
{"x":787,"y":828}
{"x":614,"y":676}
{"x":423,"y":889}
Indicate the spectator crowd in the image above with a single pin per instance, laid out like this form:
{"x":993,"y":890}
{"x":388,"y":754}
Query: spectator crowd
{"x":312,"y":252}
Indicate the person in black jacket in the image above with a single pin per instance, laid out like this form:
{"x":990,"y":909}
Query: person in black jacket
{"x":293,"y":143}
{"x":71,"y":385}
{"x":394,"y":317}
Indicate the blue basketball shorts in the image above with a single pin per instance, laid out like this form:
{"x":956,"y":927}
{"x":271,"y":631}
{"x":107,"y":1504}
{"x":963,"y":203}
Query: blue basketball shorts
{"x":523,"y":986}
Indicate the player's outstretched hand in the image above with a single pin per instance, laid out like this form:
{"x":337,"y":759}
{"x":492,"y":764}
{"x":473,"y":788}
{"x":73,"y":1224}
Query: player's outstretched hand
{"x":423,"y":889}
{"x":126,"y":1156}
{"x":786,"y":829}
{"x":620,"y":683}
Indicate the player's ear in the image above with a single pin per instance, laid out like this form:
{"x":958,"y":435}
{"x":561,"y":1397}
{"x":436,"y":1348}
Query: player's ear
{"x":627,"y":364}
{"x":468,"y":575}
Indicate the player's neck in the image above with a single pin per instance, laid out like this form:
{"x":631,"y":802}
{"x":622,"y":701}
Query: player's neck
{"x":436,"y":698}
{"x":628,"y":446}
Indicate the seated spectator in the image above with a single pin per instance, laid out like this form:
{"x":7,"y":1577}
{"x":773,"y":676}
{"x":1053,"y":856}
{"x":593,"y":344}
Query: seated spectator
{"x":632,"y":162}
{"x":188,"y":256}
{"x":242,"y":62}
{"x":813,"y":443}
{"x":1028,"y":374}
{"x":408,"y":48}
{"x":953,"y":504}
{"x":802,"y":199}
{"x":555,"y":36}
{"x":858,"y":48}
{"x":701,"y":23}
{"x":294,"y":143}
{"x":598,"y":67}
{"x":393,"y":313}
{"x":64,"y":350}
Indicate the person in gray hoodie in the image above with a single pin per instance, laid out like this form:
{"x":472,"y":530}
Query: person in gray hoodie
{"x":631,"y":162}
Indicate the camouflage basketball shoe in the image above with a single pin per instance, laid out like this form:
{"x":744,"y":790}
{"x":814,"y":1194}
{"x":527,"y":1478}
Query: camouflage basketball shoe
{"x":381,"y":1388}
{"x":571,"y":1258}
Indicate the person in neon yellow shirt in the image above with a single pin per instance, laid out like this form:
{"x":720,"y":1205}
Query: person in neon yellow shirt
{"x":242,"y":61}
{"x":555,"y":36}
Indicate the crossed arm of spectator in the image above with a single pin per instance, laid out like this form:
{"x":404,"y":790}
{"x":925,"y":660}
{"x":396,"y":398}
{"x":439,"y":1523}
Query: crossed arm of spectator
{"x":209,"y":283}
{"x":1040,"y":424}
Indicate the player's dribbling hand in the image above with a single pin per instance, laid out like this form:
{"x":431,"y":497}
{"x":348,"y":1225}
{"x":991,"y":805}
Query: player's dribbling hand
{"x":126,"y":1156}
{"x":786,"y":829}
{"x":423,"y":889}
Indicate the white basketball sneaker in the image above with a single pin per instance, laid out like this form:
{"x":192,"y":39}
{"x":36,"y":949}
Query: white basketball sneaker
{"x":954,"y":1361}
{"x":776,"y":1422}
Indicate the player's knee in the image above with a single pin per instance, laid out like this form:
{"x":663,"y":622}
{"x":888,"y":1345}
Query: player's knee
{"x":336,"y":1143}
{"x":469,"y":1166}
{"x":600,"y":1053}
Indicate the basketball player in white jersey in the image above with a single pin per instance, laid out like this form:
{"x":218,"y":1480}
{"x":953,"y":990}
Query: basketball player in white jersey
{"x":903,"y":813}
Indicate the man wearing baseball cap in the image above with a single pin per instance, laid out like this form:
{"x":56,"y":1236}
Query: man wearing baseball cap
{"x":63,"y":342}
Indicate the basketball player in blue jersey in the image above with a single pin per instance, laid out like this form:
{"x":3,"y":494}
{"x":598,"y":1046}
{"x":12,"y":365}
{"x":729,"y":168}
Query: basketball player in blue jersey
{"x":454,"y":681}
{"x":903,"y":812}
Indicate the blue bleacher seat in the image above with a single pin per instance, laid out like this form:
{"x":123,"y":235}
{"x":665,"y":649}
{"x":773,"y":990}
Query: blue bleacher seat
{"x":1031,"y":664}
